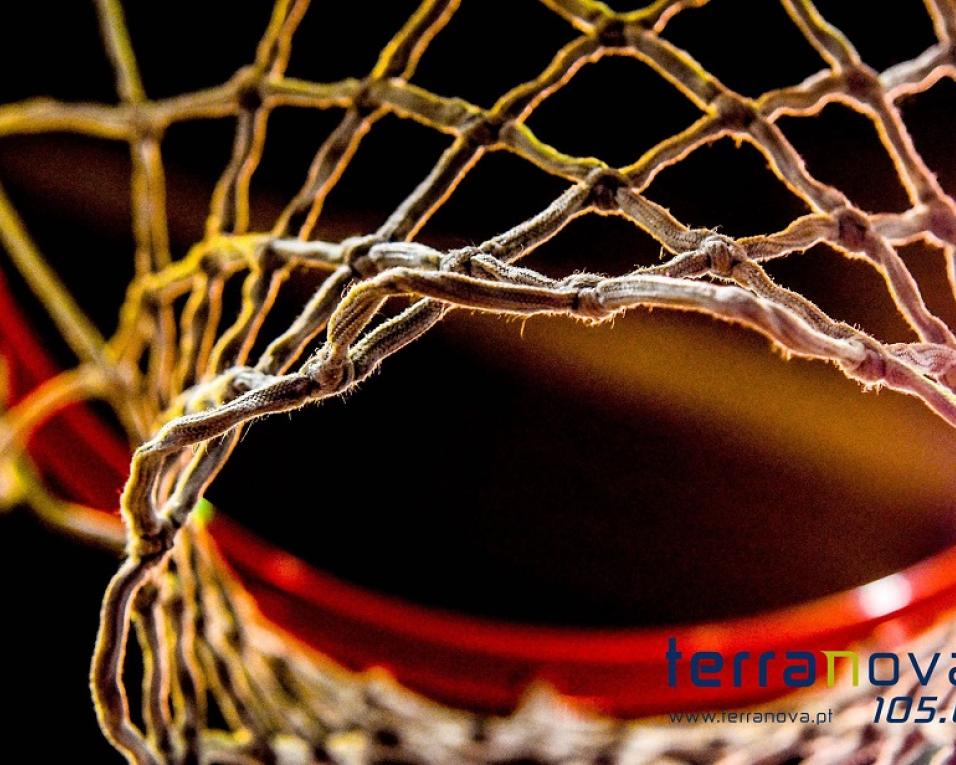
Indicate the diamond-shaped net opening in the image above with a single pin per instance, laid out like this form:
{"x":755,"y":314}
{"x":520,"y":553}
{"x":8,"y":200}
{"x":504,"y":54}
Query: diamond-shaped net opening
{"x":184,"y":375}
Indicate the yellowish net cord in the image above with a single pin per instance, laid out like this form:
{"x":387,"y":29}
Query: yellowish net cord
{"x":184,"y":382}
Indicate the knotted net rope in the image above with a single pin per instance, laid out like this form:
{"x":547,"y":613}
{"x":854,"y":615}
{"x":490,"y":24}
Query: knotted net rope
{"x":183,"y":381}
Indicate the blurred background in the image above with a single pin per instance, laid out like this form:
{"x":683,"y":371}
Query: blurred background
{"x":663,"y":469}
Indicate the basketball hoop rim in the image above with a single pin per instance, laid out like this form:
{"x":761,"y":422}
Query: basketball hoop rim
{"x":478,"y":663}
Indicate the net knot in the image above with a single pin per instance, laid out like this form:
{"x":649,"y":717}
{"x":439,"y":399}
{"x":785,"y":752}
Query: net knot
{"x":151,"y":300}
{"x":366,"y":101}
{"x":723,"y":254}
{"x":853,"y":229}
{"x":459,"y":261}
{"x":941,"y":219}
{"x":249,"y":96}
{"x":588,"y":304}
{"x":605,"y":182}
{"x":245,"y":379}
{"x":268,"y":258}
{"x":862,"y":83}
{"x":736,"y":112}
{"x":209,"y":262}
{"x":612,"y":33}
{"x":484,"y":130}
{"x":144,"y":124}
{"x":355,"y":254}
{"x":872,"y":368}
{"x":152,"y":544}
{"x":588,"y":300}
{"x":331,"y":372}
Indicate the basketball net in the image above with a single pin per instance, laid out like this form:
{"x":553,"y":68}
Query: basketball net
{"x":184,"y":381}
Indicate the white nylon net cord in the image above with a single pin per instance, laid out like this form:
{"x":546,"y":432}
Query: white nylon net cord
{"x":184,"y":382}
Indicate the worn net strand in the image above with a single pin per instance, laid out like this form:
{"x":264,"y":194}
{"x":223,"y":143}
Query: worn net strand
{"x":184,"y":383}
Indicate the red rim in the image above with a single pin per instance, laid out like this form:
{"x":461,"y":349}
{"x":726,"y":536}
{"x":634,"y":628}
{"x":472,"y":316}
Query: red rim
{"x":478,"y":663}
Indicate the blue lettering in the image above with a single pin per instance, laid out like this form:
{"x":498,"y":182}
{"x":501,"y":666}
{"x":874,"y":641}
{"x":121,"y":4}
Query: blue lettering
{"x":705,"y":662}
{"x":801,"y":675}
{"x":765,"y":658}
{"x":894,"y":661}
{"x":673,"y":655}
{"x":924,"y":679}
{"x":739,"y":659}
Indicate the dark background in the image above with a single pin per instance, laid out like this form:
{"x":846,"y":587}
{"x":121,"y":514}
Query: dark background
{"x":669,"y":469}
